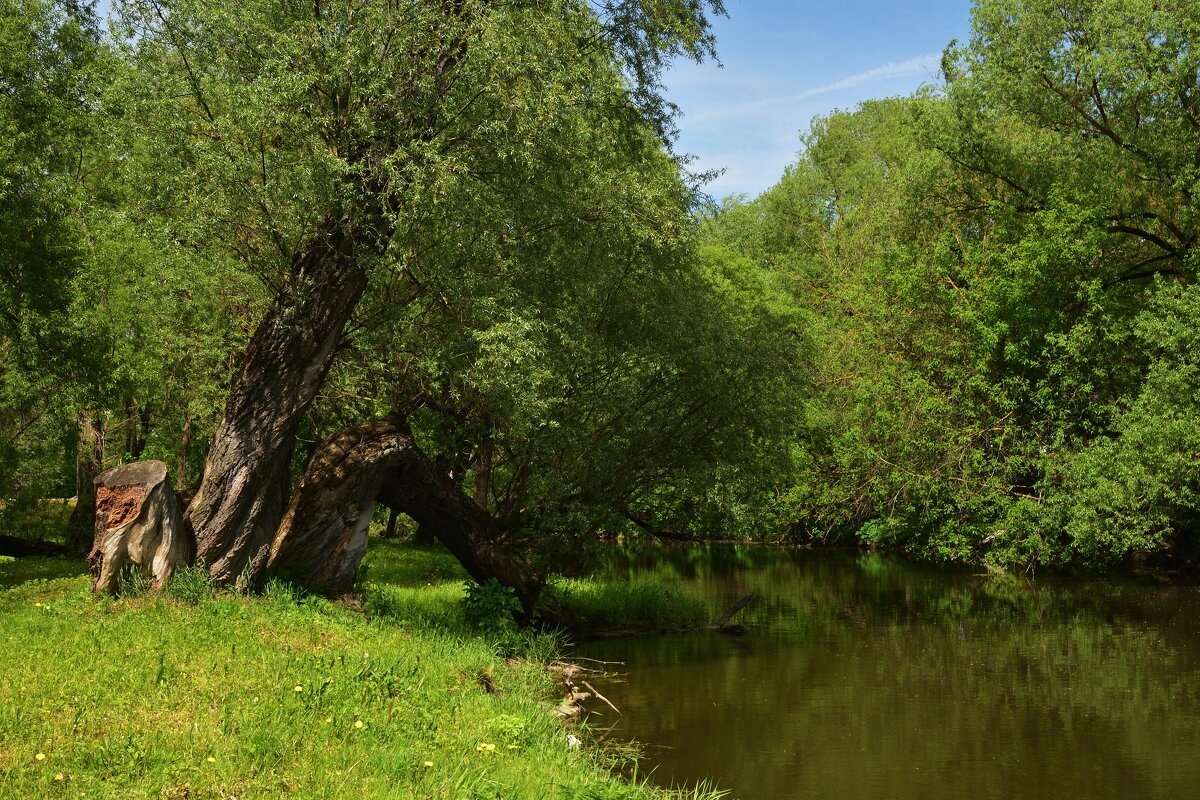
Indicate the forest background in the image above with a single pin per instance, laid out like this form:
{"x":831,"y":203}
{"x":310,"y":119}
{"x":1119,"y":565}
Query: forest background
{"x":964,"y":324}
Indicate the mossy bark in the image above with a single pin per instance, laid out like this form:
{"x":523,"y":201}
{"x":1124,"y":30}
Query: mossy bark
{"x":323,"y":536}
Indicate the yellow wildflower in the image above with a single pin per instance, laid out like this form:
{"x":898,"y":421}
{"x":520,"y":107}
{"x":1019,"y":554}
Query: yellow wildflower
{"x":485,"y":747}
{"x":298,"y":688}
{"x":427,"y":764}
{"x":40,"y":756}
{"x":358,"y":723}
{"x":211,"y":760}
{"x":60,"y":777}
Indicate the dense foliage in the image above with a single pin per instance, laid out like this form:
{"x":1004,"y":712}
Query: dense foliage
{"x":962,"y":324}
{"x":999,"y":276}
{"x":499,"y":176}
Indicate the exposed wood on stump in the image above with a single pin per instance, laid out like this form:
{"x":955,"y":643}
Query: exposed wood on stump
{"x":138,"y":521}
{"x":243,"y":495}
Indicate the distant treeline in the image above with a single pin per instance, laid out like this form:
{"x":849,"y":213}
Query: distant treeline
{"x":997,"y":277}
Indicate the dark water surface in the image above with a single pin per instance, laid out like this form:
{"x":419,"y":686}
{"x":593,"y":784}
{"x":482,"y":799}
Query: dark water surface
{"x":867,"y":677}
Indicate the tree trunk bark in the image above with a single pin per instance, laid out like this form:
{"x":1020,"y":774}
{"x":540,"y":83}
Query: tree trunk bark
{"x":185,"y":450}
{"x":89,"y":459}
{"x":243,"y":494}
{"x":390,"y":531}
{"x":423,"y":535}
{"x":439,"y":507}
{"x":483,"y":473}
{"x":324,"y":534}
{"x":138,"y":521}
{"x":137,"y":426}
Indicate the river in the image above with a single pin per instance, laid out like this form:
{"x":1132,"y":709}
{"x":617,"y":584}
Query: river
{"x":863,"y":676}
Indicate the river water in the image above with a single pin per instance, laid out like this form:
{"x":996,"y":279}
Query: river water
{"x":863,"y":676}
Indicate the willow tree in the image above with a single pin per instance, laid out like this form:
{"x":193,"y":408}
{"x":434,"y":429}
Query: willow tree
{"x":1104,"y":187}
{"x":340,"y":147}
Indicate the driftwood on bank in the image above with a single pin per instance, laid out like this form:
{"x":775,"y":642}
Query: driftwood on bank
{"x":138,"y":522}
{"x":572,"y":675}
{"x":569,"y":675}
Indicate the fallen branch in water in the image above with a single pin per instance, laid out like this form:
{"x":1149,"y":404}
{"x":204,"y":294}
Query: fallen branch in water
{"x":601,"y":697}
{"x":598,"y":661}
{"x":723,"y":620}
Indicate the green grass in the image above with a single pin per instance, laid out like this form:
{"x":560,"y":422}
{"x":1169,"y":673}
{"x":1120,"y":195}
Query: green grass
{"x":205,"y":694}
{"x":17,"y":571}
{"x":590,"y":605}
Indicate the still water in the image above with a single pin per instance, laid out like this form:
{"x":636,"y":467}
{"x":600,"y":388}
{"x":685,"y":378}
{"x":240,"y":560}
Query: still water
{"x":865,"y":677}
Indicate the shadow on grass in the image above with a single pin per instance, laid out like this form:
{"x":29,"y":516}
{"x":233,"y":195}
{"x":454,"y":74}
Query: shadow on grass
{"x":16,"y":571}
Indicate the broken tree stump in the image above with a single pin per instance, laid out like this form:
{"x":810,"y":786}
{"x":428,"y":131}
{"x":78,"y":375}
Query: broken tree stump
{"x":139,"y":522}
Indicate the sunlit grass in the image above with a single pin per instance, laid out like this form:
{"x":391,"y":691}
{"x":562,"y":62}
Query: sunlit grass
{"x":207,"y":694}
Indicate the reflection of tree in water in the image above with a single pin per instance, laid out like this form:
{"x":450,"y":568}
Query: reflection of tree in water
{"x":864,"y":677}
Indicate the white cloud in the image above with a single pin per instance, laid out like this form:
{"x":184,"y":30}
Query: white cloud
{"x":926,"y":65}
{"x":922,"y":65}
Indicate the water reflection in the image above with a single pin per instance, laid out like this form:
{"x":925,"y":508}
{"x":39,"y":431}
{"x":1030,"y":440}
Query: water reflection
{"x":866,"y":677}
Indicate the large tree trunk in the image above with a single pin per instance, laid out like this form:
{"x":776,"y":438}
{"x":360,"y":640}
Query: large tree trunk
{"x":324,"y":534}
{"x":243,"y":494}
{"x":430,"y":497}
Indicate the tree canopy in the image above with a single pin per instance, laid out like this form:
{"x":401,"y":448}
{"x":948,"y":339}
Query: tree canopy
{"x":442,"y":256}
{"x":994,"y":269}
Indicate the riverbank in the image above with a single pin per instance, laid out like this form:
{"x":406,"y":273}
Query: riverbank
{"x":867,"y":676}
{"x":204,"y":694}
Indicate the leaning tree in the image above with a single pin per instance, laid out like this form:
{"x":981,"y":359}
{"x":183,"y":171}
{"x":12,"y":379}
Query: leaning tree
{"x":403,"y":153}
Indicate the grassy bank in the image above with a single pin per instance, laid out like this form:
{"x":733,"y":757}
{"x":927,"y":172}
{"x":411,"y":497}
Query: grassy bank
{"x":217,"y":695}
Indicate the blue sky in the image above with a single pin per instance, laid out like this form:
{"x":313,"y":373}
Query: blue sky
{"x":785,"y":62}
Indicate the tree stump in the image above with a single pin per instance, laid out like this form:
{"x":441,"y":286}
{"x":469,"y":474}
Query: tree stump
{"x":138,"y":521}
